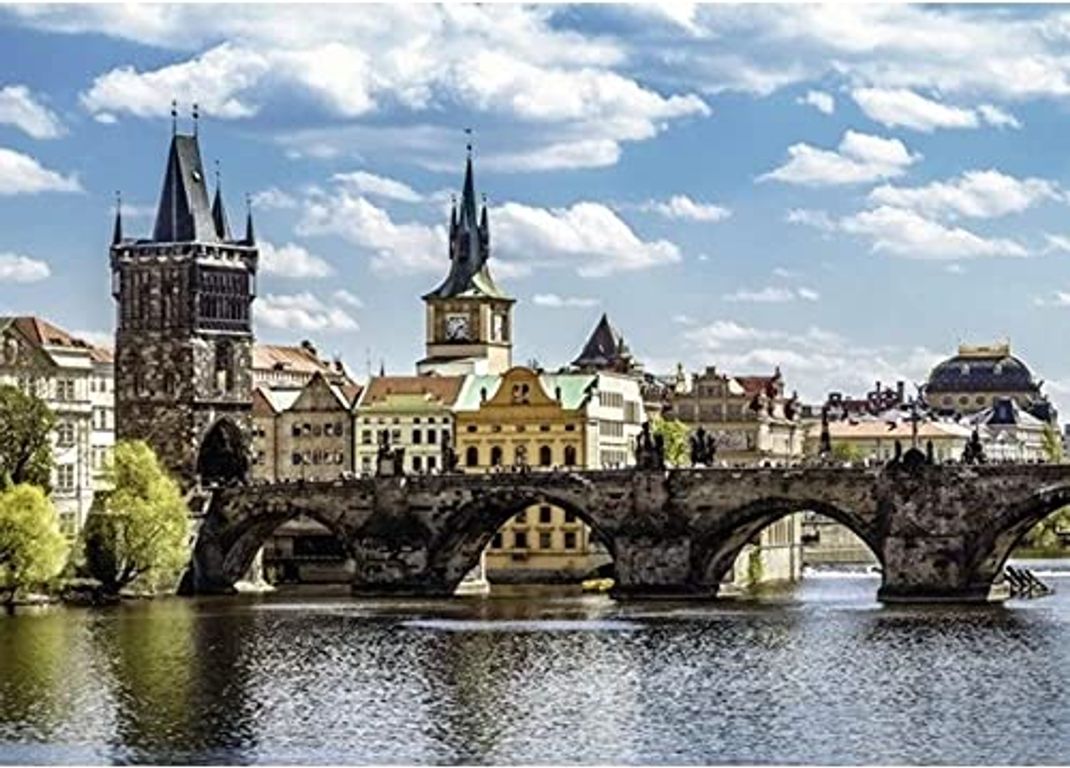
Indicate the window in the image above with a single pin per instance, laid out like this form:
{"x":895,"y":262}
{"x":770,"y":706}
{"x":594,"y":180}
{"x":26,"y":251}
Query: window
{"x":546,"y":514}
{"x":417,"y":464}
{"x":471,"y":456}
{"x":295,"y":459}
{"x":570,"y":427}
{"x":366,"y":436}
{"x":570,"y":539}
{"x":496,"y":542}
{"x":520,"y":539}
{"x":570,"y":517}
{"x":471,"y":428}
{"x":570,"y":455}
{"x":545,"y":541}
{"x":65,"y":433}
{"x":432,"y":463}
{"x":416,"y":437}
{"x":296,"y":430}
{"x":496,"y":456}
{"x":65,"y":477}
{"x":339,"y":428}
{"x":432,"y":437}
{"x":545,"y":456}
{"x":395,"y":436}
{"x":521,"y":516}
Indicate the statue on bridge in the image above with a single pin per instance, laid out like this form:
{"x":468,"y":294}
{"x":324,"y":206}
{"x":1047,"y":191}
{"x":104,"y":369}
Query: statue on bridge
{"x":974,"y":451}
{"x":449,"y":456}
{"x":649,"y":448}
{"x":703,"y":448}
{"x":389,"y":462}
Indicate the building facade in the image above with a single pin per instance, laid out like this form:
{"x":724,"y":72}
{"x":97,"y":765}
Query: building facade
{"x":75,"y":381}
{"x":184,"y":337}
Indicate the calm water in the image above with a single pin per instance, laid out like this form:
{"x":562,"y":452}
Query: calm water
{"x":822,"y":674}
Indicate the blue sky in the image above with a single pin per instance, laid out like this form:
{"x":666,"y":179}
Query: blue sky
{"x":845,"y":191}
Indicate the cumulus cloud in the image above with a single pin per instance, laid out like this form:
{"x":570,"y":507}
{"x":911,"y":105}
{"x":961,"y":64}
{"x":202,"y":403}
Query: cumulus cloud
{"x":370,"y":184}
{"x":555,"y":301}
{"x":819,"y":100}
{"x":906,"y":233}
{"x":683,"y":207}
{"x":772,"y":295}
{"x":22,"y":175}
{"x":860,"y":158}
{"x":301,"y":311}
{"x":343,"y":296}
{"x":974,"y":194}
{"x":274,"y":198}
{"x":588,"y":237}
{"x":291,"y":260}
{"x":903,"y":108}
{"x":20,"y":108}
{"x":16,"y":268}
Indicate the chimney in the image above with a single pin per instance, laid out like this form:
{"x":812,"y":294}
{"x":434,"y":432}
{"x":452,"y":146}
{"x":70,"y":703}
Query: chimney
{"x":900,"y":389}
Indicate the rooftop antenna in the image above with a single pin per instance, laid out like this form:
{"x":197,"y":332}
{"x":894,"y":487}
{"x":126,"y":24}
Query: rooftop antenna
{"x":196,"y":117}
{"x":174,"y":117}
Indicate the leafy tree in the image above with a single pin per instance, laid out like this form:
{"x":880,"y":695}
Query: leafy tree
{"x":25,"y":445}
{"x":1052,"y":444}
{"x":140,"y":533}
{"x":675,"y":434}
{"x":850,"y":452}
{"x":32,"y":549}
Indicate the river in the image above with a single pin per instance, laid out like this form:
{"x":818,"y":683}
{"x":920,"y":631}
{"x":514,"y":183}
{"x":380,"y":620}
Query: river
{"x":821,"y":673}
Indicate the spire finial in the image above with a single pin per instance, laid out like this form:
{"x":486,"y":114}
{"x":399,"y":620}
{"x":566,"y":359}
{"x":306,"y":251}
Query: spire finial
{"x":250,"y":237}
{"x":468,"y":144}
{"x":196,"y":117}
{"x":174,"y":117}
{"x":217,"y":174}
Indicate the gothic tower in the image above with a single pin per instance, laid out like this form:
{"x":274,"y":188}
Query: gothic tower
{"x":183,"y":341}
{"x":469,"y":319}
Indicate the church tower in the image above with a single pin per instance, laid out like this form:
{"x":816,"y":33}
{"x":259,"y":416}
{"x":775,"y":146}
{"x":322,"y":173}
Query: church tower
{"x":183,"y":342}
{"x":469,"y":319}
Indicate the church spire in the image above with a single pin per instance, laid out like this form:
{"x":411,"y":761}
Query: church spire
{"x":250,"y":237}
{"x":117,"y":232}
{"x":219,"y":213}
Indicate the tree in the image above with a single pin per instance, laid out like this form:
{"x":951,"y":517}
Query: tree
{"x":140,"y":532}
{"x":32,"y":549}
{"x":675,"y":434}
{"x":848,"y":452}
{"x":1052,"y":444}
{"x":25,"y":438}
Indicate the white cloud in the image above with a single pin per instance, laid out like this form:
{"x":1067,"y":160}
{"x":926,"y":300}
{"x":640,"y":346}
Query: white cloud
{"x":902,"y":108}
{"x":1055,"y":299}
{"x":16,"y":268}
{"x":20,"y":108}
{"x":860,"y":158}
{"x":997,"y":117}
{"x":291,"y":260}
{"x":554,"y":301}
{"x":365,"y":183}
{"x":819,"y":100}
{"x":588,"y":237}
{"x":906,"y":233}
{"x":974,"y":194}
{"x":683,"y":207}
{"x":720,"y":332}
{"x":343,"y":296}
{"x":583,"y":153}
{"x":783,"y":272}
{"x":301,"y":311}
{"x":22,"y":175}
{"x":772,"y":295}
{"x":274,"y":198}
{"x":1055,"y":243}
{"x":819,"y":220}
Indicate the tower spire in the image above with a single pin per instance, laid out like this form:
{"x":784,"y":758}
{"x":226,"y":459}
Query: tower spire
{"x":219,"y":212}
{"x":117,"y":232}
{"x":174,"y":117}
{"x":250,"y":237}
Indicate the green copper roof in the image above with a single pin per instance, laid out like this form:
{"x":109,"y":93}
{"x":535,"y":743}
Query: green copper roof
{"x":575,"y":389}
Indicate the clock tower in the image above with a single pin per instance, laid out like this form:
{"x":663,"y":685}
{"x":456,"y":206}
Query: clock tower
{"x":469,"y":319}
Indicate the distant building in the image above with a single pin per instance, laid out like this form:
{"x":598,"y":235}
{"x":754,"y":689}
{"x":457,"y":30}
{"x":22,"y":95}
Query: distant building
{"x":606,"y":351}
{"x":877,"y":401}
{"x":1009,"y":432}
{"x":469,"y":320}
{"x":979,"y":375}
{"x":284,"y":367}
{"x":873,"y":440}
{"x":75,"y":379}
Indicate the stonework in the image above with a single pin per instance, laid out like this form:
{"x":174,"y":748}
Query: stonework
{"x":939,"y":532}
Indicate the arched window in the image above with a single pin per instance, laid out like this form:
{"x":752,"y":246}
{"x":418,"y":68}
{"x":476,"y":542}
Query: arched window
{"x":570,"y":455}
{"x":496,"y":456}
{"x":545,"y":456}
{"x":471,"y":456}
{"x":521,"y":456}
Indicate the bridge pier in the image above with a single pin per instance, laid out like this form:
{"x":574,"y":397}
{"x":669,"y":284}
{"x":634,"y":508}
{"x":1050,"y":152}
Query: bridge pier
{"x":650,"y":568}
{"x":931,"y":569}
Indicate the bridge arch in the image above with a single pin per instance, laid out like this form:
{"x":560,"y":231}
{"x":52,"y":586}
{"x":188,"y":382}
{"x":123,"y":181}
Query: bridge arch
{"x":715,"y":550}
{"x":995,"y":542}
{"x":457,"y":551}
{"x":223,"y":456}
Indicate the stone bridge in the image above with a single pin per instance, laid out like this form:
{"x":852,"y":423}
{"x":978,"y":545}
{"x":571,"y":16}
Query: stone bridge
{"x":940,"y":532}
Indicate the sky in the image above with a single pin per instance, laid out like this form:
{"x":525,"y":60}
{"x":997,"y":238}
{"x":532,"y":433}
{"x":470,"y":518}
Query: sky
{"x":845,"y":191}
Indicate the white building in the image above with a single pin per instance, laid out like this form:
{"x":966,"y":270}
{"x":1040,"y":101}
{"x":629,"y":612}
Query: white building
{"x":75,"y":379}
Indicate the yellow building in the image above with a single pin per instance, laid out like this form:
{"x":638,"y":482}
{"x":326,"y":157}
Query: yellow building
{"x":527,"y":421}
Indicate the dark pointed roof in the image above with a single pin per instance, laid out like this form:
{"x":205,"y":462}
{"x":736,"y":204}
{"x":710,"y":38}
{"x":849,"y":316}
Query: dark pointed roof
{"x":605,"y":349}
{"x":469,"y":249}
{"x":184,"y":214}
{"x":219,"y":214}
{"x":117,"y":231}
{"x":250,"y":236}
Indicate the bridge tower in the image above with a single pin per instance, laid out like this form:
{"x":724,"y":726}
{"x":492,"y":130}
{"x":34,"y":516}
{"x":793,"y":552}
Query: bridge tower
{"x":183,"y":340}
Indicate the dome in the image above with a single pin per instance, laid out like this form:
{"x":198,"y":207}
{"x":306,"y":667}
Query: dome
{"x":985,"y":369}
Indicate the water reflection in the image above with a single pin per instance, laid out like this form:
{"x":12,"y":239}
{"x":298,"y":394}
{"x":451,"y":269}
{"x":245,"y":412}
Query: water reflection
{"x":823,"y":674}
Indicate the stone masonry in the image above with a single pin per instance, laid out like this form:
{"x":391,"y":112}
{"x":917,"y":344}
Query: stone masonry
{"x":939,"y":532}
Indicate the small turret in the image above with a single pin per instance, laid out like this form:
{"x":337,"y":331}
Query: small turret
{"x":117,"y":231}
{"x":250,"y":236}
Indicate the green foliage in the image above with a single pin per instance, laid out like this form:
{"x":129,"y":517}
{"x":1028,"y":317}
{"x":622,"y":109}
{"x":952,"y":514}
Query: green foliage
{"x":139,"y":535}
{"x":849,"y":452}
{"x":25,"y":446}
{"x":755,"y":570}
{"x":1052,"y":444}
{"x":1044,"y":535}
{"x":32,"y":549}
{"x":675,"y":434}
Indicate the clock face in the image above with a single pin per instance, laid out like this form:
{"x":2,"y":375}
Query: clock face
{"x":457,"y":327}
